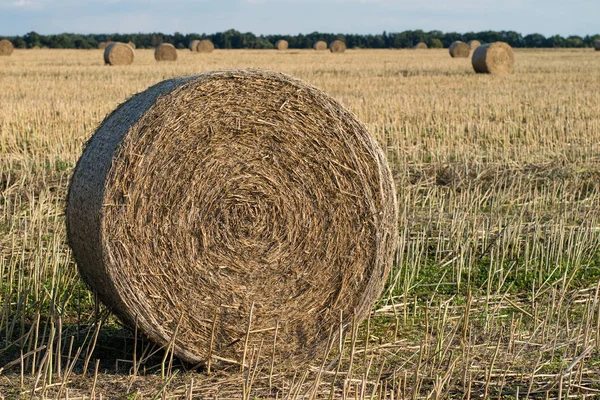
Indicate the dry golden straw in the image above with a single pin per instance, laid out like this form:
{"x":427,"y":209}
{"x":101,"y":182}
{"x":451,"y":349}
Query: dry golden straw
{"x":281,"y":44}
{"x":320,"y":45}
{"x":493,"y":58}
{"x":131,"y":44}
{"x":420,"y":45}
{"x":459,"y":49}
{"x":165,"y":52}
{"x":473,"y":44}
{"x":6,"y":48}
{"x":194,"y":45}
{"x":337,"y":46}
{"x":118,"y":54}
{"x":205,"y":46}
{"x":239,"y":199}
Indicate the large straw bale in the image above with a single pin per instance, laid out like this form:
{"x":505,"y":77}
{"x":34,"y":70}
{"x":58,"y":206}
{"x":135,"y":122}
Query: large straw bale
{"x":165,"y":52}
{"x":118,"y":54}
{"x":240,"y":199}
{"x":320,"y":45}
{"x":6,"y":47}
{"x":493,"y":58}
{"x":205,"y":46}
{"x":281,"y":44}
{"x":337,"y":46}
{"x":194,"y":45}
{"x":459,"y":49}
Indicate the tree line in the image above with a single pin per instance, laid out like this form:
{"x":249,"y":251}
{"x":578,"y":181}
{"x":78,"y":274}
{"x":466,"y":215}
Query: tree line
{"x":233,"y":39}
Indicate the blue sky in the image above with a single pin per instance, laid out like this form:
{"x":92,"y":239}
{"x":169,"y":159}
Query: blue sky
{"x":549,"y":17}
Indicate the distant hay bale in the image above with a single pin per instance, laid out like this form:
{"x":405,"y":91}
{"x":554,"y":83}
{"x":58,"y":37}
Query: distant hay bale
{"x":597,"y":45}
{"x":205,"y":46}
{"x":165,"y":52}
{"x":473,"y":44}
{"x":194,"y":45}
{"x":420,"y":46}
{"x":320,"y":45}
{"x":118,"y":54}
{"x":102,"y":45}
{"x":337,"y":46}
{"x":6,"y":48}
{"x":131,"y":44}
{"x":281,"y":44}
{"x":459,"y":49}
{"x":35,"y":48}
{"x":227,"y":204}
{"x":493,"y":58}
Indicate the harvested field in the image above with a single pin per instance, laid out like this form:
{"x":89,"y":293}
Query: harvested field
{"x":494,"y":290}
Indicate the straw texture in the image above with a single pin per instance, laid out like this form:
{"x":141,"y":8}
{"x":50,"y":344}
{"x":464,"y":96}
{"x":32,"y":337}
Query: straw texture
{"x":493,"y":58}
{"x":205,"y":46}
{"x":131,"y":44}
{"x":6,"y":48}
{"x":459,"y":49}
{"x":420,"y":45}
{"x":320,"y":45}
{"x":165,"y":52}
{"x":118,"y":54}
{"x":337,"y":46}
{"x":281,"y":44}
{"x":232,"y":197}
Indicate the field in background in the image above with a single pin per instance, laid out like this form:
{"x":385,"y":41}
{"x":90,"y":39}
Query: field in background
{"x":495,"y":289}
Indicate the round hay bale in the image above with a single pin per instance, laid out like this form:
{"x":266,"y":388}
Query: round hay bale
{"x":597,"y":45}
{"x":493,"y":58}
{"x":281,"y":44}
{"x":420,"y":46}
{"x":194,"y":45}
{"x":102,"y":45}
{"x":35,"y":48}
{"x":205,"y":46}
{"x":229,"y":202}
{"x":337,"y":46}
{"x":459,"y":49}
{"x":473,"y":44}
{"x":118,"y":54}
{"x":165,"y":52}
{"x":131,"y":44}
{"x":320,"y":45}
{"x":6,"y":47}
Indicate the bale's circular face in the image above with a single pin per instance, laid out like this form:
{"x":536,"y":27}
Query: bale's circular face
{"x":494,"y":58}
{"x":459,"y":49}
{"x":320,"y":45}
{"x":118,"y":54}
{"x":165,"y":52}
{"x":6,"y":48}
{"x":281,"y":44}
{"x":337,"y":46}
{"x":230,"y":194}
{"x":205,"y":46}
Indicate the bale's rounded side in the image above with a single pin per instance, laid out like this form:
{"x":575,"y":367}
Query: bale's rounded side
{"x":597,"y":45}
{"x":6,"y":47}
{"x":118,"y":54}
{"x":194,"y":45}
{"x":165,"y":52}
{"x":493,"y":58}
{"x":320,"y":45}
{"x":205,"y":46}
{"x":281,"y":44}
{"x":473,"y":44}
{"x":459,"y":49}
{"x":420,"y":46}
{"x":233,"y":197}
{"x":337,"y":46}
